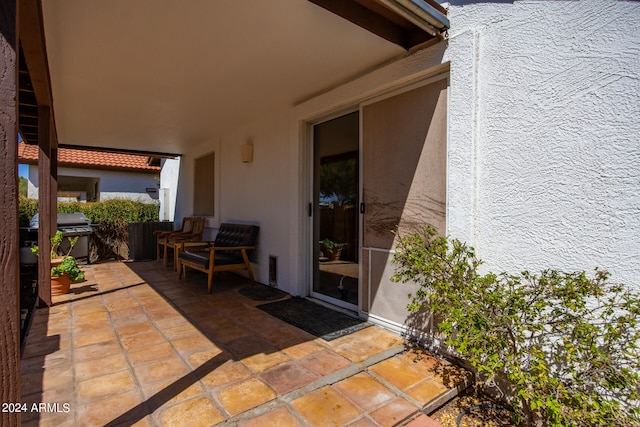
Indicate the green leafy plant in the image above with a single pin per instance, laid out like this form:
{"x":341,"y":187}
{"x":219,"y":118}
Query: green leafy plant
{"x":68,"y":266}
{"x":566,"y":344}
{"x":56,"y":241}
{"x":331,"y":246}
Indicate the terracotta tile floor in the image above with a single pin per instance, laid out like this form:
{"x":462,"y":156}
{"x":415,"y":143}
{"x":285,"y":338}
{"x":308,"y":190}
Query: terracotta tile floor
{"x":132,"y":345}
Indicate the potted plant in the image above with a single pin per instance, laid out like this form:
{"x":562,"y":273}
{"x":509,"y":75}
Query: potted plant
{"x":64,"y":268}
{"x":63,"y":274}
{"x":334,"y":249}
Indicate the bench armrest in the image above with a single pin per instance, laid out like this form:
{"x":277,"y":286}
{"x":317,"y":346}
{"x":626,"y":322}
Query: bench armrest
{"x":231,"y":248}
{"x":193,"y":245}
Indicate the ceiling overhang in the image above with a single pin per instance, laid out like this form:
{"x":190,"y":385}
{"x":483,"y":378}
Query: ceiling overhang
{"x":407,"y":23}
{"x":290,"y":48}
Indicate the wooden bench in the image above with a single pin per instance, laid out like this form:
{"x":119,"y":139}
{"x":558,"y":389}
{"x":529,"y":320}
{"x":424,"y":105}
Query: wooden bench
{"x":228,"y":252}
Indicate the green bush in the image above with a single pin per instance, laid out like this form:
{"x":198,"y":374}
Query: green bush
{"x":27,"y":208}
{"x":98,"y":212}
{"x":567,"y":344}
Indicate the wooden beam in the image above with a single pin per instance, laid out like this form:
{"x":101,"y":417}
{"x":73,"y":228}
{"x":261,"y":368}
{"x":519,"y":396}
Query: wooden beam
{"x":34,"y":48}
{"x":45,"y":208}
{"x":367,"y":19}
{"x":9,"y":234}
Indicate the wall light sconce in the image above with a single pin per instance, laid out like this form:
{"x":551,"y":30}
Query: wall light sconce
{"x":246,"y":152}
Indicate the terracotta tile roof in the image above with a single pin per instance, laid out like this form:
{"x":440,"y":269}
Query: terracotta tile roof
{"x":70,"y":157}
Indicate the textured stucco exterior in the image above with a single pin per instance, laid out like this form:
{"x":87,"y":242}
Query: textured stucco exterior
{"x":554,"y":151}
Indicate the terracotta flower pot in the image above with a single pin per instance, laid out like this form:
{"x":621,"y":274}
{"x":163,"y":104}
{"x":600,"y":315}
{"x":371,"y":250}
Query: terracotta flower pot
{"x":60,"y":285}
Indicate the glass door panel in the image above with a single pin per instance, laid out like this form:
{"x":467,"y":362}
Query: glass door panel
{"x":336,"y":222}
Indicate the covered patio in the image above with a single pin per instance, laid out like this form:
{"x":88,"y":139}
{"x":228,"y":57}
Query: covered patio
{"x":196,"y":86}
{"x":133,"y":345}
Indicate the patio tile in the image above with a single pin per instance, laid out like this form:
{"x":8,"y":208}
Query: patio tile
{"x":426,"y":391}
{"x":325,"y":362}
{"x":80,"y":340}
{"x":280,"y":417}
{"x":325,"y":407}
{"x":98,"y":326}
{"x":95,"y":315}
{"x":249,"y":345}
{"x":129,"y":357}
{"x":303,"y":349}
{"x":262,"y":362}
{"x":181,"y":330}
{"x":423,"y":421}
{"x":91,"y":368}
{"x":129,"y":316}
{"x":226,"y":372}
{"x":145,"y":339}
{"x":190,"y":344}
{"x":357,"y":351}
{"x":52,"y":360}
{"x":33,"y":419}
{"x":83,"y":309}
{"x":394,"y":412}
{"x":152,"y":353}
{"x":105,"y":386}
{"x":400,"y":375}
{"x":173,"y":391}
{"x":229,"y":334}
{"x":210,"y":355}
{"x":282,"y":335}
{"x":132,"y":329}
{"x":199,"y":412}
{"x":50,"y":378}
{"x":41,"y":346}
{"x":286,"y":378}
{"x":160,"y":370}
{"x":118,"y":409}
{"x":245,"y":395}
{"x":364,"y":391}
{"x":363,"y":422}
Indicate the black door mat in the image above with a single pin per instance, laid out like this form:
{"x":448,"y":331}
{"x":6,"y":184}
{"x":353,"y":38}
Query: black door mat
{"x":314,"y":318}
{"x":261,"y":292}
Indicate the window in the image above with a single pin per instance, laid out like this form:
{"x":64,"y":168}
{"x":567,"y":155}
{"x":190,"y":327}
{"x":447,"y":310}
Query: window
{"x":204,"y":185}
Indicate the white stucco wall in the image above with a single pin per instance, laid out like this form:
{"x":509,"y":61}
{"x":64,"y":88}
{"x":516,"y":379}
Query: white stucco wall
{"x":543,"y":152}
{"x":169,"y":175}
{"x":554,"y":128}
{"x":113,"y":184}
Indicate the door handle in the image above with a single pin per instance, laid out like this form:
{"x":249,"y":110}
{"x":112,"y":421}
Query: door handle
{"x":361,"y":208}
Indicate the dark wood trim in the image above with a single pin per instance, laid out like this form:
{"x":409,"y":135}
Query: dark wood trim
{"x":367,"y":19}
{"x":45,"y":208}
{"x":35,"y":52}
{"x":378,"y":19}
{"x":9,"y":235}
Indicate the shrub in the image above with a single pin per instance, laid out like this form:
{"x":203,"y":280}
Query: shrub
{"x":97,"y":212}
{"x":567,"y":344}
{"x":27,"y":208}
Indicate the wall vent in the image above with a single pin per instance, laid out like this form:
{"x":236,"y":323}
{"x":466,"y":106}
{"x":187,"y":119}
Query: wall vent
{"x":273,"y":270}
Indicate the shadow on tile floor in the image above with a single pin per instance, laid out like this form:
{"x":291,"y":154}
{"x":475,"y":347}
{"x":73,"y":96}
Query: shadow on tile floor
{"x":133,"y":345}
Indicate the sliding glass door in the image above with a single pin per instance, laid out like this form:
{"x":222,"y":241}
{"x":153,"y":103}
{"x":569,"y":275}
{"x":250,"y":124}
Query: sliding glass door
{"x":336,"y":217}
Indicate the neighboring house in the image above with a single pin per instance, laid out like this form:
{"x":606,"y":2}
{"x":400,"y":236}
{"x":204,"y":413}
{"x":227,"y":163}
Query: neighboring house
{"x":512,"y":125}
{"x":91,"y":176}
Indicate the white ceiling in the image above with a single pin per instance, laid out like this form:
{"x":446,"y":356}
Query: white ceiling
{"x":158,"y":75}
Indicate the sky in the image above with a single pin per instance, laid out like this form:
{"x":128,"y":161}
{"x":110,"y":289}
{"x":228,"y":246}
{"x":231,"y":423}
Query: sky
{"x":23,"y":170}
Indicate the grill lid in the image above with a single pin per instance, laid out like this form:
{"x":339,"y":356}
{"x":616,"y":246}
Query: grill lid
{"x":65,"y":220}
